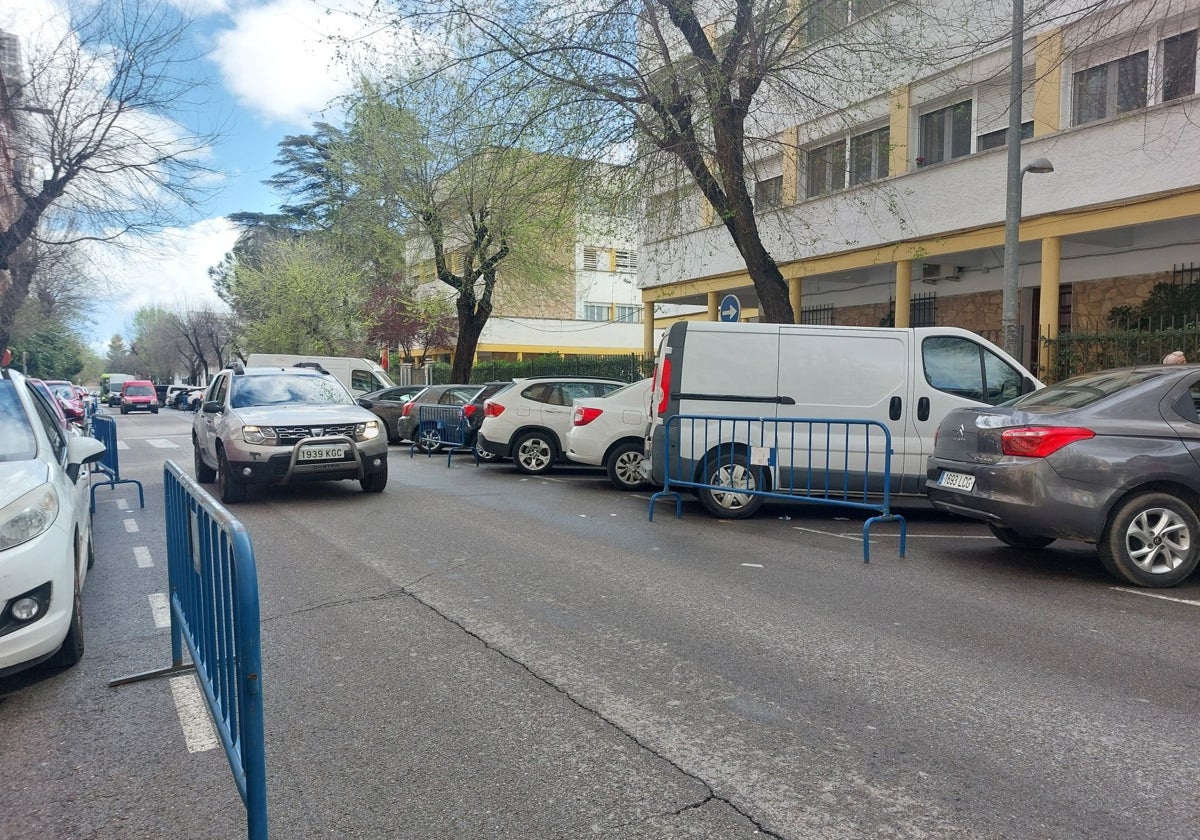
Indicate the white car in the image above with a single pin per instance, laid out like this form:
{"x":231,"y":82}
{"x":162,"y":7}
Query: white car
{"x":45,"y":530}
{"x":529,"y":421}
{"x":610,"y":431}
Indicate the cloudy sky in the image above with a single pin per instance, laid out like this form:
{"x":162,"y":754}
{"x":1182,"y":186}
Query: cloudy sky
{"x":270,"y":69}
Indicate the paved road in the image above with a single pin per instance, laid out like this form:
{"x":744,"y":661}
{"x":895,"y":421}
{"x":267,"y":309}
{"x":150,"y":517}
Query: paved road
{"x":477,"y":654}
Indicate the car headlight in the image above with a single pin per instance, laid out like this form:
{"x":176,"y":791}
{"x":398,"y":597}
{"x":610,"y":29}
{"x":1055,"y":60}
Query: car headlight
{"x":28,"y":516}
{"x":367,"y":431}
{"x":258,"y":434}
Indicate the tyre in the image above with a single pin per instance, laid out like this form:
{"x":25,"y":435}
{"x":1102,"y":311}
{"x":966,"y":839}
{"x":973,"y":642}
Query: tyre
{"x":375,"y":482}
{"x":91,"y":550}
{"x":72,"y":647}
{"x":533,"y":453}
{"x":430,"y":439}
{"x":231,"y":490}
{"x":732,"y":475}
{"x":1018,"y":540}
{"x":124,"y":410}
{"x":484,"y":454}
{"x":1151,"y":540}
{"x":624,"y":465}
{"x":154,"y":410}
{"x":204,"y":473}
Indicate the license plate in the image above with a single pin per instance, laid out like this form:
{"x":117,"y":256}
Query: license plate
{"x":321,"y":453}
{"x":957,"y":481}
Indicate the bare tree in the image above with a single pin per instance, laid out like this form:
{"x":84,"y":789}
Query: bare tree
{"x":96,"y":142}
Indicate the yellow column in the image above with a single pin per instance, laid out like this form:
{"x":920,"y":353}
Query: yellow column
{"x":647,"y":325}
{"x":714,"y":302}
{"x":1047,"y":85}
{"x":795,"y":297}
{"x":1048,"y":312}
{"x":898,"y":130}
{"x":903,"y":293}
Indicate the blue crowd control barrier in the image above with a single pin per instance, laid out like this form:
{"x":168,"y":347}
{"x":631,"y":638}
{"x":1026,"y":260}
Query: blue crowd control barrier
{"x":214,"y":610}
{"x":104,"y":429}
{"x":842,"y":462}
{"x":445,"y":426}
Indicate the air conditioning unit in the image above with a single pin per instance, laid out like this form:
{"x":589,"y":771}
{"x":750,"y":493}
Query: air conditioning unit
{"x":932,"y":273}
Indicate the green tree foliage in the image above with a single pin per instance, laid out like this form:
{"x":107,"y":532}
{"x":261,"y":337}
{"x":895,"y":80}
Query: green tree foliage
{"x":119,"y":359}
{"x":1169,"y":305}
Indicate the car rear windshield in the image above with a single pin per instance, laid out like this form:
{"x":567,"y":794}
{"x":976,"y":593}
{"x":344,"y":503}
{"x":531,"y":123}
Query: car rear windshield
{"x":17,"y":441}
{"x":1084,"y":390}
{"x":282,"y":389}
{"x":63,"y":392}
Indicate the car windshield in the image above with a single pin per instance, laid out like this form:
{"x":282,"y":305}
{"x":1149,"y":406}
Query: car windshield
{"x":17,"y":441}
{"x":63,"y":392}
{"x":1084,"y":390}
{"x":139,"y":391}
{"x":280,"y":389}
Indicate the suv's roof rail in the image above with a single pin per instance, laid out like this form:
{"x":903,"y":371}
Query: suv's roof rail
{"x":314,"y":365}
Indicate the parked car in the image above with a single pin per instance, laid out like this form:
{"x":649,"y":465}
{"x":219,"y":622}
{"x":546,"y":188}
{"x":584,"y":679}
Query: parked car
{"x":1108,"y":458}
{"x":609,"y":432}
{"x":45,"y":391}
{"x":430,"y":439}
{"x":176,"y":395}
{"x":139,"y":395}
{"x":282,"y":425}
{"x":473,"y":412}
{"x":529,"y":421}
{"x":45,"y":529}
{"x":68,"y":398}
{"x":387,"y":404}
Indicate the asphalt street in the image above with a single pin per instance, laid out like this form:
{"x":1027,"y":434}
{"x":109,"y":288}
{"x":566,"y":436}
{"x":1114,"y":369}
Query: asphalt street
{"x":479,"y":654}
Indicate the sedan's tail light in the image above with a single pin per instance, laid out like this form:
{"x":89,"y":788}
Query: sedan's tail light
{"x":585,"y":415}
{"x":491,"y":409}
{"x":469,"y":410}
{"x":1040,"y":441}
{"x":407,"y":412}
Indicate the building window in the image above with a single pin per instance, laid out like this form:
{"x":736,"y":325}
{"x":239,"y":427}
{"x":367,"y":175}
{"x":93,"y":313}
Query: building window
{"x":624,"y":260}
{"x":1110,"y":89}
{"x":825,"y":17}
{"x":595,"y":312}
{"x":996,"y":139}
{"x":591,"y":258}
{"x":826,"y":169}
{"x":1179,"y":66}
{"x":945,"y":134}
{"x":768,"y":193}
{"x":629,"y":314}
{"x":869,"y":156}
{"x":817,"y":315}
{"x":922,"y":310}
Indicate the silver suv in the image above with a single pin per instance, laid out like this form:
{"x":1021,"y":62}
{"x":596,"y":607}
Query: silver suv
{"x":279,"y":425}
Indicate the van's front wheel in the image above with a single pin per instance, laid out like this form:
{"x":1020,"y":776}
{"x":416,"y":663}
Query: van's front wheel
{"x":730,"y":475}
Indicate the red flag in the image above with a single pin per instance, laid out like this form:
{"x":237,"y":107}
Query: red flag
{"x":383,"y":360}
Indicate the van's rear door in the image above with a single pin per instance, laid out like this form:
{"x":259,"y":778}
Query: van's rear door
{"x":847,"y":374}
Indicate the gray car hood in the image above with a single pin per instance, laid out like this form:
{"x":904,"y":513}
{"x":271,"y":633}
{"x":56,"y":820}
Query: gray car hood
{"x":303,"y":415}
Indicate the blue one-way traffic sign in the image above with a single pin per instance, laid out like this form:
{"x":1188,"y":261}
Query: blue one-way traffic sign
{"x":731,"y":308}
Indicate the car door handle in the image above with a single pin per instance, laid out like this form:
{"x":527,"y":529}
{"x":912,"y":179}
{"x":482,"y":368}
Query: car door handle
{"x":923,"y":409}
{"x":894,"y":408}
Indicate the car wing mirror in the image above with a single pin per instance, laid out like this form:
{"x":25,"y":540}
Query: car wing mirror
{"x":212,"y":407}
{"x":366,"y":403}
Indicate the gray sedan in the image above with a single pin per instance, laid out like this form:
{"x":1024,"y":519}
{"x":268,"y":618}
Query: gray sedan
{"x":1109,"y":458}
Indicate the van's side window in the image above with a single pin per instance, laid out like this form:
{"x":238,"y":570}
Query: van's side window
{"x":362,"y":380}
{"x":961,"y":367}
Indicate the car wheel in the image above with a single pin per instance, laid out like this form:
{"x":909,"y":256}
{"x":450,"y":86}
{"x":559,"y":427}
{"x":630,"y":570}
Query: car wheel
{"x":624,"y":465}
{"x":231,"y":490}
{"x":430,"y":440}
{"x":375,"y":482}
{"x":1018,"y":540}
{"x":533,"y":453}
{"x":1151,"y":540}
{"x":124,"y":410}
{"x":733,"y":475}
{"x":91,"y":550}
{"x":484,"y":454}
{"x":204,"y":473}
{"x":72,"y":647}
{"x":154,"y":410}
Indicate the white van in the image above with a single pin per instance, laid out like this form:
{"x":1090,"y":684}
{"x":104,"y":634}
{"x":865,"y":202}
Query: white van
{"x":906,"y":379}
{"x":360,"y":376}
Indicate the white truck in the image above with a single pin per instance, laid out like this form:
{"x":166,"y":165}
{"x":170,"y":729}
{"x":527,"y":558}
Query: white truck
{"x":360,"y":376}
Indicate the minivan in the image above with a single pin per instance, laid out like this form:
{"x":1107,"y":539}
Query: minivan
{"x":139,"y":395}
{"x":906,"y":379}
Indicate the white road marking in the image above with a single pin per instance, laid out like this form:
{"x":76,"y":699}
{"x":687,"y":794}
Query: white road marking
{"x":160,"y":609}
{"x":122,"y":445}
{"x":938,"y":536}
{"x":162,"y":443}
{"x":131,"y":526}
{"x":198,"y":730}
{"x":1146,"y":594}
{"x":827,"y":533}
{"x":122,"y":504}
{"x":753,"y":565}
{"x":141,"y":553}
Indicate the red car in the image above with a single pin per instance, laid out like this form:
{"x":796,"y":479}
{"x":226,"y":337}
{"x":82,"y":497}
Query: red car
{"x":139,"y":395}
{"x":68,"y":399}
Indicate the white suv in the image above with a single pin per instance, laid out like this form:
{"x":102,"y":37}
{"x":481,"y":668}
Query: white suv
{"x":279,"y":425}
{"x":529,"y":421}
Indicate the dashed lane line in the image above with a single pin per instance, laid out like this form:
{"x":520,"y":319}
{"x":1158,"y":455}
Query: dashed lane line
{"x":198,"y":730}
{"x":131,"y":526}
{"x":162,"y":443}
{"x":141,"y":554}
{"x":122,"y":504}
{"x":160,"y":609}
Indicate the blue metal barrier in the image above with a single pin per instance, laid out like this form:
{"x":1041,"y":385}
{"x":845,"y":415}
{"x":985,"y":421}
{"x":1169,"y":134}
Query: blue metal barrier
{"x":214,"y":610}
{"x":825,"y":461}
{"x":442,"y":426}
{"x":104,"y":429}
